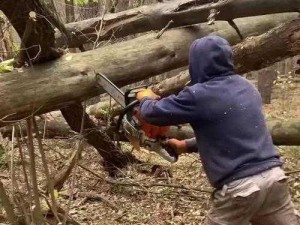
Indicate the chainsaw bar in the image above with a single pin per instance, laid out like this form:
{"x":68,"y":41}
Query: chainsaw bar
{"x":115,"y":92}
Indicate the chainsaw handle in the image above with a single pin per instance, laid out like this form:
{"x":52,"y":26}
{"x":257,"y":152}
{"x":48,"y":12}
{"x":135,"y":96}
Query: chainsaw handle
{"x":173,"y":156}
{"x":129,"y":107}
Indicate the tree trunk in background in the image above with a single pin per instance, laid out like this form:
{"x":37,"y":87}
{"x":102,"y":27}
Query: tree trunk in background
{"x":265,"y":80}
{"x":90,"y":10}
{"x":6,"y":48}
{"x":70,"y":12}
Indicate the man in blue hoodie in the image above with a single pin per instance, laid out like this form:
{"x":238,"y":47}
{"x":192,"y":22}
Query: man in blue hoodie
{"x":235,"y":147}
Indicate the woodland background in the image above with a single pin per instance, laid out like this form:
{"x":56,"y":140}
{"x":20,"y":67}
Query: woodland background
{"x":50,"y":168}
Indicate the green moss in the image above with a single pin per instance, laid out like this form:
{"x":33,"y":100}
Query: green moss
{"x":6,"y":66}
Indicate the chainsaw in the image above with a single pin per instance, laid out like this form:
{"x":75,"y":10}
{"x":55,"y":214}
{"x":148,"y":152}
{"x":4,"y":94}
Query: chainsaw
{"x":128,"y":125}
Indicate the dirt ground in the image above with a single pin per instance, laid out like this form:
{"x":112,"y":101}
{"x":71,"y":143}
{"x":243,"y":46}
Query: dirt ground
{"x":141,"y":197}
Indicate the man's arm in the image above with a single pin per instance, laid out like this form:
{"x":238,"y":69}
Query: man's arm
{"x":191,"y":145}
{"x":183,"y":146}
{"x":172,"y":110}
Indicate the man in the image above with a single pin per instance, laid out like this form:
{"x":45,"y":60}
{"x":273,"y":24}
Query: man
{"x":237,"y":153}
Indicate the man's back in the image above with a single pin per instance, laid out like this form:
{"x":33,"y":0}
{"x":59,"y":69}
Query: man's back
{"x":225,"y":112}
{"x":231,"y":132}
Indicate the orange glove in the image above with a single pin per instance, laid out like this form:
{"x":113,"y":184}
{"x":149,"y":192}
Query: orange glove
{"x":146,"y":93}
{"x":178,"y":146}
{"x":150,"y":130}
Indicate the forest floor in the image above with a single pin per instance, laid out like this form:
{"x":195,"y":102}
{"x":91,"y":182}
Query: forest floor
{"x":141,"y":197}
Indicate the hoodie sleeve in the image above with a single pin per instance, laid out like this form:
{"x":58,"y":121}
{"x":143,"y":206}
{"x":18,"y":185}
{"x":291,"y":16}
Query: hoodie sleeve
{"x":191,"y":145}
{"x":172,"y":110}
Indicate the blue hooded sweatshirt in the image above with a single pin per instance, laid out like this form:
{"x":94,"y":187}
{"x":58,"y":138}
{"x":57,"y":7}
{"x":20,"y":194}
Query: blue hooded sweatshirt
{"x":225,"y":112}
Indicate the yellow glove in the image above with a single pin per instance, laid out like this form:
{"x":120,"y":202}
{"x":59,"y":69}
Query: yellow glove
{"x":146,"y":93}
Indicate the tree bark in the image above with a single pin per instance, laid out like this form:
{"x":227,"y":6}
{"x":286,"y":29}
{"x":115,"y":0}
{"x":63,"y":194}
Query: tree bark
{"x":31,"y":21}
{"x":70,"y":13}
{"x":6,"y":48}
{"x":43,"y":87}
{"x":265,"y":80}
{"x":157,"y":16}
{"x":251,"y":54}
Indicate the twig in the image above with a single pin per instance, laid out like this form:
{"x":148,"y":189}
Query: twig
{"x":45,"y":127}
{"x":144,"y":185}
{"x":95,"y":196}
{"x":46,"y":170}
{"x":37,"y":211}
{"x":292,"y":172}
{"x":24,"y":171}
{"x":14,"y":183}
{"x":164,"y":29}
{"x":135,"y":183}
{"x":78,"y":153}
{"x":12,"y":170}
{"x":23,"y":164}
{"x":100,"y":29}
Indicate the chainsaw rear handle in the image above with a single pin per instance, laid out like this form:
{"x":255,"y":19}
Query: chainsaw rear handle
{"x":129,"y":107}
{"x":173,"y":156}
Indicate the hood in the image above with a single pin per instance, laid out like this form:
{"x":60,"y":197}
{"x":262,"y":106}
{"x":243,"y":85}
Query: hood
{"x":210,"y":57}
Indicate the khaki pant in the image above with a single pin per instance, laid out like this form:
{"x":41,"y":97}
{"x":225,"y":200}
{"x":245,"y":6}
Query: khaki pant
{"x":262,"y":199}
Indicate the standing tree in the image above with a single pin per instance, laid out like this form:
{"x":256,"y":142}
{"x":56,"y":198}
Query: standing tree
{"x":70,"y":13}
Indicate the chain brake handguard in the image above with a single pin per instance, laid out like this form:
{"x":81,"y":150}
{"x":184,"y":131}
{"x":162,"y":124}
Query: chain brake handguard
{"x":130,"y":124}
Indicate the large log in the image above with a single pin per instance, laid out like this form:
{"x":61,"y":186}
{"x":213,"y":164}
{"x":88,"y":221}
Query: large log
{"x":282,"y":132}
{"x":157,"y":16}
{"x":56,"y":84}
{"x":54,"y":126}
{"x":251,"y":54}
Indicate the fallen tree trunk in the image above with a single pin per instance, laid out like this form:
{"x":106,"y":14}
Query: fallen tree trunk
{"x":252,"y":54}
{"x":56,"y":84}
{"x":283,"y":132}
{"x":157,"y":16}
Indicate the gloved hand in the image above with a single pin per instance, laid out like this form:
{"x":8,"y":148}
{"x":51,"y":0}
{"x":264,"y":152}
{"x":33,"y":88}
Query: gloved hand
{"x":146,"y":93}
{"x":178,"y":146}
{"x":151,"y":131}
